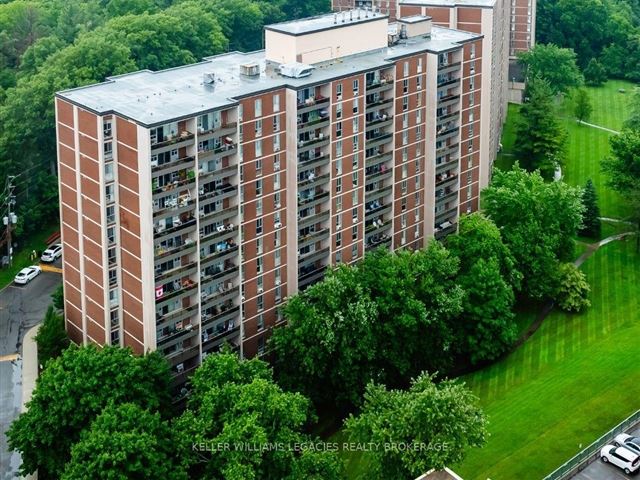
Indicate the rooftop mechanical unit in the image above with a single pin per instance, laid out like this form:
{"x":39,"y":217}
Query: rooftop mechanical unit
{"x":250,"y":69}
{"x":296,"y":70}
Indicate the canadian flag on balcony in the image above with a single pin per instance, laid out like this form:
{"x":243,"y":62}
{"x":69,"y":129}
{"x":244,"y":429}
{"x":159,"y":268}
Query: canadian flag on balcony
{"x":159,"y":292}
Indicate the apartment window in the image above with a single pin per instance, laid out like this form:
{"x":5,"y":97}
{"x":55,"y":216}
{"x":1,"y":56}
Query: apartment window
{"x":419,"y":132}
{"x":472,"y":98}
{"x":278,"y":294}
{"x":356,"y":125}
{"x":276,"y":123}
{"x":108,"y":150}
{"x":111,"y":214}
{"x":339,"y":148}
{"x":276,"y":238}
{"x":258,"y":126}
{"x":260,"y":322}
{"x":355,"y":105}
{"x":354,"y":251}
{"x":356,"y":143}
{"x":258,"y":107}
{"x":108,"y":172}
{"x":417,"y":198}
{"x":276,"y":181}
{"x":338,"y":129}
{"x":354,"y":197}
{"x":470,"y":131}
{"x":469,"y":178}
{"x":404,"y":187}
{"x":339,"y":111}
{"x":339,"y":222}
{"x":338,"y":204}
{"x":259,"y":226}
{"x":277,"y":258}
{"x":419,"y":65}
{"x":110,"y":193}
{"x":259,"y":207}
{"x":417,"y":215}
{"x":468,"y":192}
{"x":354,"y":179}
{"x":354,"y":232}
{"x":417,"y":182}
{"x":339,"y":90}
{"x":259,"y":246}
{"x":259,"y":265}
{"x":419,"y":83}
{"x":106,"y":129}
{"x":471,"y":116}
{"x":405,"y":171}
{"x":405,"y":104}
{"x":258,"y":187}
{"x":111,"y":256}
{"x":338,"y":239}
{"x":419,"y":99}
{"x":338,"y":185}
{"x":113,"y":277}
{"x":472,"y":67}
{"x":470,"y":145}
{"x":405,"y":120}
{"x":276,"y":200}
{"x":403,"y":204}
{"x":276,"y":143}
{"x":355,"y":161}
{"x":339,"y":166}
{"x":405,"y":154}
{"x":258,"y":168}
{"x":115,"y":337}
{"x":354,"y":215}
{"x":114,"y":318}
{"x":338,"y":257}
{"x":258,"y":144}
{"x":405,"y":137}
{"x":473,"y":50}
{"x":260,"y":303}
{"x":111,"y":235}
{"x":113,"y":297}
{"x":260,"y":284}
{"x":276,"y":103}
{"x":276,"y":162}
{"x":403,"y":220}
{"x":472,"y":84}
{"x":405,"y":70}
{"x":356,"y":87}
{"x":470,"y":162}
{"x":417,"y":165}
{"x":405,"y":85}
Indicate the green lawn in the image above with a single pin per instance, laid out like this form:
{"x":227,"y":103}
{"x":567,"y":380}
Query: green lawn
{"x":573,"y":380}
{"x":21,"y":255}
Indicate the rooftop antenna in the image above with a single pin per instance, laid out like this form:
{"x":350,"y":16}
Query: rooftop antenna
{"x":351,"y":15}
{"x":342,"y":17}
{"x":358,"y":13}
{"x":366,"y":12}
{"x":335,"y":18}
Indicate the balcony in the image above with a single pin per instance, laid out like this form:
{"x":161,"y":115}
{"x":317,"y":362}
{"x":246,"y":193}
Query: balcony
{"x":312,"y":256}
{"x":374,"y":103}
{"x":378,"y":158}
{"x":320,"y":122}
{"x":446,"y":132}
{"x":441,"y":198}
{"x":380,"y":85}
{"x":175,"y":206}
{"x":174,"y":334}
{"x":222,"y":232}
{"x":306,"y":145}
{"x":379,"y":122}
{"x":447,"y":82}
{"x":377,"y":208}
{"x":183,"y":354}
{"x":228,"y":128}
{"x":176,"y":315}
{"x":310,"y":274}
{"x":170,"y":141}
{"x":444,"y":229}
{"x":449,"y":116}
{"x":444,"y":181}
{"x":377,"y":194}
{"x":218,"y":303}
{"x":221,"y":249}
{"x":313,"y":162}
{"x":377,"y":140}
{"x":312,"y":103}
{"x":447,"y":67}
{"x":219,"y":152}
{"x":378,"y":240}
{"x":448,"y":100}
{"x":165,"y":275}
{"x":220,"y":313}
{"x":226,"y":190}
{"x":229,"y":271}
{"x":182,"y":247}
{"x":213,"y":175}
{"x":186,"y":288}
{"x":375,"y":227}
{"x":447,"y":164}
{"x":173,"y":165}
{"x":313,"y":237}
{"x":448,"y":211}
{"x":313,"y":180}
{"x":381,"y":175}
{"x":178,"y":224}
{"x":189,"y":180}
{"x":312,"y":219}
{"x":222,"y":331}
{"x":313,"y":200}
{"x":447,"y":149}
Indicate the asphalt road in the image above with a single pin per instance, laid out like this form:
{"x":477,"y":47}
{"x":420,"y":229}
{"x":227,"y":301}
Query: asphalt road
{"x":21,"y":307}
{"x":605,"y":471}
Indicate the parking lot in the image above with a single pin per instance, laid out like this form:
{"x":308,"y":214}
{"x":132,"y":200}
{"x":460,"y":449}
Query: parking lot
{"x":21,"y":307}
{"x":604,"y":471}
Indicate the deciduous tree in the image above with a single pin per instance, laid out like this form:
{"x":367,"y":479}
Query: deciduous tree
{"x":582,"y":105}
{"x":554,"y":64}
{"x":595,"y":74}
{"x":442,"y":421}
{"x":52,"y":337}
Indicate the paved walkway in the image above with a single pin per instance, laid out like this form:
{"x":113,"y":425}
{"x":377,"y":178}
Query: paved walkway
{"x":29,"y":372}
{"x":599,"y":127}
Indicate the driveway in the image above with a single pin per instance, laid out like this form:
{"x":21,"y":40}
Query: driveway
{"x":21,"y":307}
{"x":604,"y":471}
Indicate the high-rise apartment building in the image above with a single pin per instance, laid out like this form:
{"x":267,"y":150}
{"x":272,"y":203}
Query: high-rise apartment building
{"x":195,"y":200}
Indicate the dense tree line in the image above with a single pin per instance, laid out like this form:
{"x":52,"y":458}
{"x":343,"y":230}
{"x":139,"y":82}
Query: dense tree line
{"x":607,"y":31}
{"x":51,"y":45}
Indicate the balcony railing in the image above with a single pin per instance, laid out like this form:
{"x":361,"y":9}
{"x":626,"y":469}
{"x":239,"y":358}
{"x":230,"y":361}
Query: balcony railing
{"x":447,"y":81}
{"x":162,"y":275}
{"x":158,"y":232}
{"x":183,"y":137}
{"x":376,"y":241}
{"x":380,"y":101}
{"x":174,"y":334}
{"x":172,"y":163}
{"x":186,"y":286}
{"x":444,"y":229}
{"x":191,"y":178}
{"x":318,"y":196}
{"x":219,"y":128}
{"x":313,"y":102}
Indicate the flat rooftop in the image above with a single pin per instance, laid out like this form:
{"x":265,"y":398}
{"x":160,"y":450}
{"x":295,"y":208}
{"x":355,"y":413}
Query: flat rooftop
{"x":414,"y":19}
{"x":325,"y":22}
{"x":154,"y":98}
{"x":450,"y":3}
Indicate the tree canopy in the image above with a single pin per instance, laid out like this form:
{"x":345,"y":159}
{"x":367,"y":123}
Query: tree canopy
{"x":554,"y":64}
{"x":73,"y":390}
{"x":438,"y":423}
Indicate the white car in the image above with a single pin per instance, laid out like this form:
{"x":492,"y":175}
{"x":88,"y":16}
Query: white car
{"x":27,"y":274}
{"x":629,"y":442}
{"x":620,"y":457}
{"x":51,"y":253}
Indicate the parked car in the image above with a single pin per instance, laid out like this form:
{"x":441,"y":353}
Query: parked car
{"x":52,"y":253}
{"x":621,"y":457}
{"x":629,"y":442}
{"x":27,"y":274}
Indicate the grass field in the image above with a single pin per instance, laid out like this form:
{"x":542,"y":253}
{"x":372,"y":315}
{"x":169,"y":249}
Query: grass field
{"x":586,"y":146}
{"x":575,"y":378}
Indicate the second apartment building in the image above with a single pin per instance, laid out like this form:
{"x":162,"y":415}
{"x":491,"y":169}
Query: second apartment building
{"x":195,"y":200}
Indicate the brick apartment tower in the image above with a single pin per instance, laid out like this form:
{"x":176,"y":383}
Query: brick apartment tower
{"x":195,"y":200}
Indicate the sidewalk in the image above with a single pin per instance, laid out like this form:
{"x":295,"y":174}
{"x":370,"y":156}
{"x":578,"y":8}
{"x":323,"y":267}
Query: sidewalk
{"x":29,"y":372}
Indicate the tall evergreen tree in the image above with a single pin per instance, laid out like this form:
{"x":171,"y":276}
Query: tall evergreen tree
{"x":633,"y":122}
{"x":591,"y":216}
{"x":582,"y":107}
{"x":540,"y":139}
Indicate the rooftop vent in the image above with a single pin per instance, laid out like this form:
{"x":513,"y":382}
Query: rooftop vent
{"x":250,"y":69}
{"x":296,"y":70}
{"x":209,"y":78}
